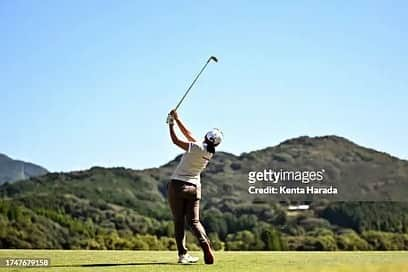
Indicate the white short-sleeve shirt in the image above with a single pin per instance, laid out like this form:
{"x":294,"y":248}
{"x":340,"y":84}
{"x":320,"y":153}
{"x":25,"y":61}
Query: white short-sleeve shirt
{"x":193,"y":162}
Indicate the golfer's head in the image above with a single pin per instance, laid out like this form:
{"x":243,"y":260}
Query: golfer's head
{"x":214,"y":137}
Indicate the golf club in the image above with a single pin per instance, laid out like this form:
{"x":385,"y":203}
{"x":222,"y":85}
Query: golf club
{"x":212,"y":58}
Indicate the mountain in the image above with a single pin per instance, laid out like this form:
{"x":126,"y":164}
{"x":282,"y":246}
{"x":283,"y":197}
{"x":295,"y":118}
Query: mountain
{"x":359,"y":173}
{"x":13,"y":170}
{"x":119,"y":208}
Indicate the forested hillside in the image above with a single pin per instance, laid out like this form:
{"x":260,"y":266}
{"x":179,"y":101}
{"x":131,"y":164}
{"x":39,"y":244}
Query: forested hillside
{"x":118,"y":208}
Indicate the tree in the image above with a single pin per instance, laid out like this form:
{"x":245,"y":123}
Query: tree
{"x":272,"y":239}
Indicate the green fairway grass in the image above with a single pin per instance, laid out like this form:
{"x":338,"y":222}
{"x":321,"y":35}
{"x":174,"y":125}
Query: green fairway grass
{"x":82,"y":260}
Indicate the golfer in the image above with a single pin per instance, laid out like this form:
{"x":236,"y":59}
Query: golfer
{"x":184,"y":189}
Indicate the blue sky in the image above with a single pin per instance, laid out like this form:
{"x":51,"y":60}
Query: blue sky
{"x":86,"y":83}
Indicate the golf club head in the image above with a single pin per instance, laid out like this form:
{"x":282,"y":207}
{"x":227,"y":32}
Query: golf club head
{"x":213,"y":58}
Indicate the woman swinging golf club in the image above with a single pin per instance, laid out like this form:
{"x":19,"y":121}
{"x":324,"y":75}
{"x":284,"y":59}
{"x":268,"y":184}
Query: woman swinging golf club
{"x":184,"y":189}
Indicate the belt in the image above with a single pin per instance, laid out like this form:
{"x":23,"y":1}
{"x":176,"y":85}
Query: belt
{"x":182,"y":182}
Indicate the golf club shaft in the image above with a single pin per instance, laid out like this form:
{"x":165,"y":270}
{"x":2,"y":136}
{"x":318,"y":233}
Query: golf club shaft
{"x":192,"y":84}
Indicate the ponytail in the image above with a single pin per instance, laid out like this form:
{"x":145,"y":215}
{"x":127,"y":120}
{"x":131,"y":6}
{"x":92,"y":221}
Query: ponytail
{"x":210,"y":146}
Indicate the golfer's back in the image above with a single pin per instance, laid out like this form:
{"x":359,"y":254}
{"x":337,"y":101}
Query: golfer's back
{"x":192,"y":163}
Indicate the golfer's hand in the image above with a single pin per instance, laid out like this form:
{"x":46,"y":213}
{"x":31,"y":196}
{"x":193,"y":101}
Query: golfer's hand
{"x":174,"y":114}
{"x":170,"y":120}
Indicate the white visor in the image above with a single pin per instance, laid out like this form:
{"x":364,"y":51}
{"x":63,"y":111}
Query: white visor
{"x":215,"y":136}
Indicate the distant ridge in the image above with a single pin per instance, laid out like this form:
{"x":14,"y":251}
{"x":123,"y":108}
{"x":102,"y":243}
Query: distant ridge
{"x":13,"y":170}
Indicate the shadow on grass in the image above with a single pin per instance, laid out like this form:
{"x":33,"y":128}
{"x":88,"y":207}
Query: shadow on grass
{"x":113,"y":264}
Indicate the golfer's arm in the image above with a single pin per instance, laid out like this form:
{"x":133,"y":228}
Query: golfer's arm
{"x":183,"y":145}
{"x":187,"y":133}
